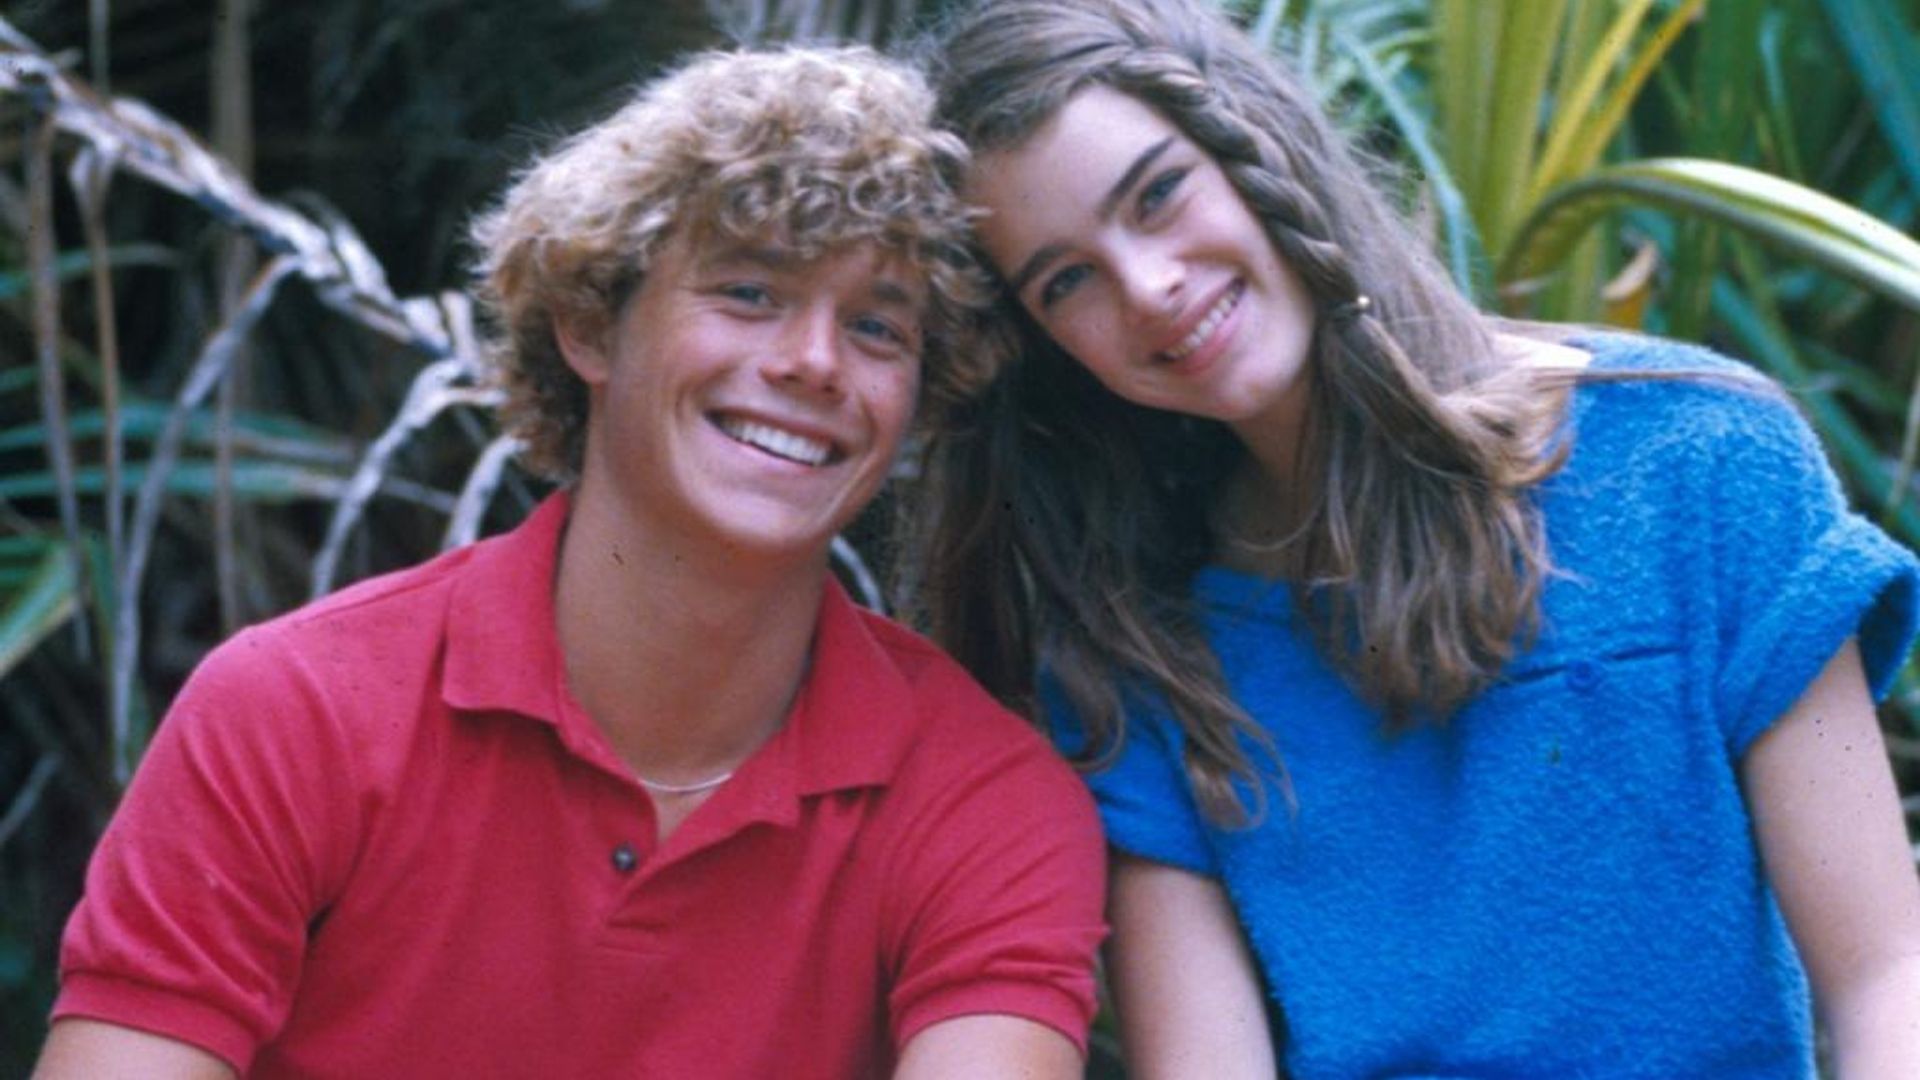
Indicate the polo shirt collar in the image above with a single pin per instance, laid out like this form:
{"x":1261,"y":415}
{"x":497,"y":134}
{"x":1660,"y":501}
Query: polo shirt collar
{"x":503,"y":646}
{"x":855,"y":716}
{"x":850,"y":725}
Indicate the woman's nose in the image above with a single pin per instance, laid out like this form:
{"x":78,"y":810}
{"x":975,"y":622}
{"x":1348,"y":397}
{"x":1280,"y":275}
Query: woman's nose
{"x":1150,"y":284}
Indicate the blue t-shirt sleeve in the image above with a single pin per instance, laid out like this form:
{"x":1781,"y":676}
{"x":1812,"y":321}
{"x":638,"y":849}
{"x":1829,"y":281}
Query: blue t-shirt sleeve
{"x":1145,"y":803}
{"x":1795,"y":573}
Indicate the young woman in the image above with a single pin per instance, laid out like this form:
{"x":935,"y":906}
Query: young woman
{"x":1462,"y":698}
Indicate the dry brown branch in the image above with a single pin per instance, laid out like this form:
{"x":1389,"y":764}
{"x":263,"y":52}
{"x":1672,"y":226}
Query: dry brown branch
{"x":46,"y":334}
{"x":131,"y":136}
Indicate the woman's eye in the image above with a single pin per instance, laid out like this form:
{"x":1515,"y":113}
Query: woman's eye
{"x":1160,"y":189}
{"x":1062,"y":284}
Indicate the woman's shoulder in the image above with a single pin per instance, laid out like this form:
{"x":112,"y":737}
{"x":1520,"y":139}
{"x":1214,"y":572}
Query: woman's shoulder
{"x":1684,"y":430}
{"x":1640,"y":382}
{"x":1609,"y":354}
{"x":1641,"y":388}
{"x":1624,"y":352}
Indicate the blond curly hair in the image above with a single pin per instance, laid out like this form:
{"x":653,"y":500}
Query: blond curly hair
{"x":806,"y":150}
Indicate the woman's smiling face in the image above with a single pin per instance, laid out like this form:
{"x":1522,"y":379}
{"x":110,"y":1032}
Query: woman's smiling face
{"x":1126,"y":242}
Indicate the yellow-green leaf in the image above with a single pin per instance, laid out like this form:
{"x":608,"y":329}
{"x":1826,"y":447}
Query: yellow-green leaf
{"x":1783,"y":214}
{"x":1571,"y":114}
{"x":44,"y":600}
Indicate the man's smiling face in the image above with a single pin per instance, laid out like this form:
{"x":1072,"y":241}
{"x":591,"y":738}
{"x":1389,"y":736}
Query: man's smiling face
{"x":747,"y":398}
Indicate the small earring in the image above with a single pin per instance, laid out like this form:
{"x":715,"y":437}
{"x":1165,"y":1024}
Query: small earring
{"x":1342,"y":314}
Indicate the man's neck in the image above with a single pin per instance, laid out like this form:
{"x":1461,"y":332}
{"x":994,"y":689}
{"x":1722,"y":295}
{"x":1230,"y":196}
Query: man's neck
{"x":686,"y":656}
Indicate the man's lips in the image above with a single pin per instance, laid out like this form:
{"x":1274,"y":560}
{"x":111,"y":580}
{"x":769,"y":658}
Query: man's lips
{"x":779,"y":441}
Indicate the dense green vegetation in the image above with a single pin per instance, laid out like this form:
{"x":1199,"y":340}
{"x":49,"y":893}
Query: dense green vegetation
{"x":215,"y":402}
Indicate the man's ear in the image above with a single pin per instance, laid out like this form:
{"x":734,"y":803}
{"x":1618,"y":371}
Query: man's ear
{"x":584,"y":346}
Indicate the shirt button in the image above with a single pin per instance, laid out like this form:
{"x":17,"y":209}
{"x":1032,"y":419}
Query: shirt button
{"x":1583,"y":675}
{"x":625,"y":859}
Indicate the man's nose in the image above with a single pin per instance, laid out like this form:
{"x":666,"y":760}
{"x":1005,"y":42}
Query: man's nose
{"x":809,"y":351}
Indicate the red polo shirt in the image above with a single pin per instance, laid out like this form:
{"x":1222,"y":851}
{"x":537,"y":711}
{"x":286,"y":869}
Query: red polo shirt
{"x":378,"y":837}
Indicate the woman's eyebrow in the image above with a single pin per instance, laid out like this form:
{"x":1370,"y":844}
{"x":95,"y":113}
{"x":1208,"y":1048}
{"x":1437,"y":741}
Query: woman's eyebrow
{"x":1132,"y":176}
{"x":1109,"y":203}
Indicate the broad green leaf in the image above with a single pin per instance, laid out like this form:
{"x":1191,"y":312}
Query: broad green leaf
{"x":1571,"y":110}
{"x":76,"y":264}
{"x":1725,"y":95}
{"x":1785,"y":215}
{"x":21,"y":547}
{"x":46,"y":599}
{"x":1885,"y":51}
{"x":1586,"y":25}
{"x":14,"y":380}
{"x":1576,"y":292}
{"x":1762,"y":335}
{"x":1462,"y":81}
{"x":262,"y":481}
{"x":1860,"y":383}
{"x":1462,"y":239}
{"x":1579,"y":135}
{"x":142,"y":421}
{"x":1316,"y":45}
{"x":1780,"y":132}
{"x":1528,"y":40}
{"x":1266,"y":23}
{"x":258,"y":481}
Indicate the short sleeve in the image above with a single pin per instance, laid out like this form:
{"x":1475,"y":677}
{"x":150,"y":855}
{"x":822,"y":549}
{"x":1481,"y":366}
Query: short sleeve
{"x":1795,"y":572}
{"x":194,"y":918}
{"x":1145,"y":802}
{"x":997,"y":888}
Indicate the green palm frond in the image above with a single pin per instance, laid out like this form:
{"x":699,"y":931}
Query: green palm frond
{"x":38,"y":594}
{"x":1796,"y":219}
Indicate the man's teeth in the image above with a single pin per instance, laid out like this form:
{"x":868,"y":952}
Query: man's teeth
{"x":776,"y":442}
{"x":1206,"y":328}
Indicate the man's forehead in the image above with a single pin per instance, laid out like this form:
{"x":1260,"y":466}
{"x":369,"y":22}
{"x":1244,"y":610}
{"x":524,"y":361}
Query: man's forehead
{"x":891,"y":274}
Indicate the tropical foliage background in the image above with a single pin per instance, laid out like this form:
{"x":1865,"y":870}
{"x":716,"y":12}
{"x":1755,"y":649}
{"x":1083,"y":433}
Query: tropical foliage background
{"x":236,"y":367}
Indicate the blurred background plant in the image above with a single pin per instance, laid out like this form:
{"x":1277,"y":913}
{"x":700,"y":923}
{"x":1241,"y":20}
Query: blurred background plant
{"x":214,"y":403}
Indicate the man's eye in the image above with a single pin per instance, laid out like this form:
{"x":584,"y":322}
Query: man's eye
{"x":880,"y":329}
{"x":746,"y":293}
{"x":1160,"y":190}
{"x":1062,"y":284}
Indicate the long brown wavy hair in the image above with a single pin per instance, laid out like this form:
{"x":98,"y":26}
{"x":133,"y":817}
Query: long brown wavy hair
{"x":1054,"y":519}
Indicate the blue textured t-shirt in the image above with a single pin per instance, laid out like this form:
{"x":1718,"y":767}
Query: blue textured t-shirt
{"x":1561,"y":881}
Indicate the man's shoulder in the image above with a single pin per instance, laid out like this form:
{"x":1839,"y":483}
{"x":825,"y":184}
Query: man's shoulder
{"x":945,"y":692}
{"x":406,"y":592}
{"x":386,"y":622}
{"x":965,"y":737}
{"x":917,"y":659}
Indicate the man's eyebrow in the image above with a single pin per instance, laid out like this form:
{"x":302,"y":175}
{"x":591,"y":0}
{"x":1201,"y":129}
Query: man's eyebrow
{"x":884,"y":289}
{"x":1109,"y":203}
{"x":733,"y":254}
{"x":889,"y":291}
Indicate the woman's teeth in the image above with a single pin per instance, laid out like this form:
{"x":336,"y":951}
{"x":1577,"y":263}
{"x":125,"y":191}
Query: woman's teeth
{"x":1208,"y":325}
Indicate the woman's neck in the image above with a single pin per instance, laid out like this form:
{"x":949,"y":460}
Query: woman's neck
{"x":1258,"y":514}
{"x":1257,"y":522}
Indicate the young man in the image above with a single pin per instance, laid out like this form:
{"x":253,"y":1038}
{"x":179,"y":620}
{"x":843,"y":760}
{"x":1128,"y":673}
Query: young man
{"x":634,"y":790}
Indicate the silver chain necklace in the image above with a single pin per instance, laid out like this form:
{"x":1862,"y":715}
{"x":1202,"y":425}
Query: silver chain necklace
{"x":694,"y":788}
